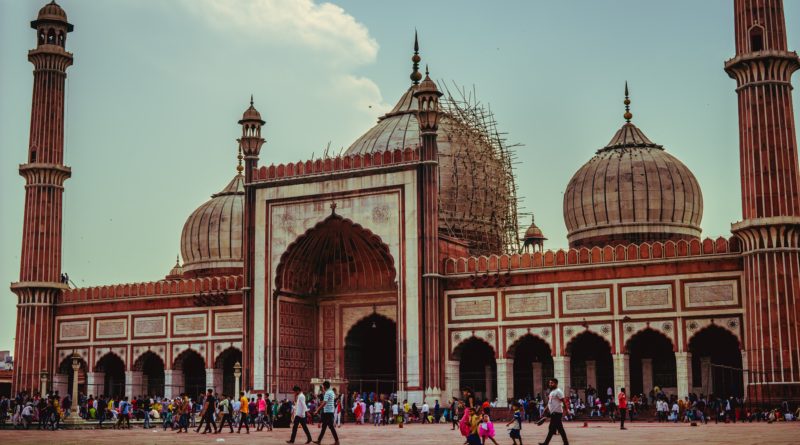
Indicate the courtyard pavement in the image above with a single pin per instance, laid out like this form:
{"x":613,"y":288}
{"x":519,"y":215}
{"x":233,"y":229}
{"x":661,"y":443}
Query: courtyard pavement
{"x":594,"y":434}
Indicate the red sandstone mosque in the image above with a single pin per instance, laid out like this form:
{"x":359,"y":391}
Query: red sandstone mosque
{"x":398,"y":265}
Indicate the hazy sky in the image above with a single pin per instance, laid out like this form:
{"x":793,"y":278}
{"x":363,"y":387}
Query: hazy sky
{"x":157,"y":88}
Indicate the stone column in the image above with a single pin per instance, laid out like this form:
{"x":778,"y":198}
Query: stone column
{"x":95,"y":383}
{"x":214,"y":379}
{"x":133,"y":384}
{"x":488,"y":381}
{"x":561,"y":371}
{"x":622,"y":373}
{"x":705,"y":374}
{"x":745,"y":374}
{"x":683,"y":365}
{"x":537,"y":379}
{"x":647,"y":375}
{"x":173,"y":383}
{"x":452,"y":383}
{"x":591,"y":373}
{"x":505,"y":381}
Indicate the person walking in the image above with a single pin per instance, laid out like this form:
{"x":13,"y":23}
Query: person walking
{"x":243,"y":413}
{"x":145,"y":405}
{"x":555,"y":408}
{"x":225,"y":411}
{"x":622,"y":405}
{"x":328,"y":407}
{"x":209,"y":408}
{"x":299,"y":415}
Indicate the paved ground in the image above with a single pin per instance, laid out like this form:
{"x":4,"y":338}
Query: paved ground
{"x":595,"y":434}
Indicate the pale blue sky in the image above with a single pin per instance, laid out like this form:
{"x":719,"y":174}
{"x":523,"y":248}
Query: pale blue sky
{"x":157,"y":88}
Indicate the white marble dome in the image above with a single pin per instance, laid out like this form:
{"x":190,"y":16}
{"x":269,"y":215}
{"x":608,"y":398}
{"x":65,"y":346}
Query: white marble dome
{"x":211,"y":241}
{"x":632,"y":191}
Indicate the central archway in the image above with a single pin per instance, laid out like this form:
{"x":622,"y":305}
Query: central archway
{"x":113,"y":370}
{"x":335,"y":257}
{"x":477,"y":368}
{"x":533,"y":366}
{"x":152,"y":369}
{"x":334,"y":261}
{"x":370,"y":356}
{"x":193,"y":367}
{"x":652,"y":362}
{"x":591,"y":363}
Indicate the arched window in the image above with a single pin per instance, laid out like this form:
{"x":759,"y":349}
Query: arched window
{"x":61,"y":38}
{"x":51,"y":36}
{"x":756,"y":38}
{"x":41,"y":36}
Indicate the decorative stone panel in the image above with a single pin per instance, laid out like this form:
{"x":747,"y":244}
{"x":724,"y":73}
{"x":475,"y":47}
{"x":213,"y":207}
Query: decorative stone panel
{"x":529,"y":304}
{"x":352,"y":315}
{"x":695,"y":325}
{"x":472,"y":308}
{"x":651,"y":297}
{"x":487,"y":335}
{"x":586,"y":301}
{"x":228,"y":322}
{"x":119,"y":351}
{"x":631,"y":328}
{"x":150,"y":326}
{"x":111,"y":328}
{"x":73,"y":330}
{"x":544,"y":333}
{"x":189,"y":324}
{"x":604,"y":330}
{"x":711,"y":293}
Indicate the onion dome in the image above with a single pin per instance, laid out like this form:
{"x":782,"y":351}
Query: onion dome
{"x":533,"y":237}
{"x":251,"y":114}
{"x":476,"y":195}
{"x":632,"y":191}
{"x":51,"y":13}
{"x":211,"y":242}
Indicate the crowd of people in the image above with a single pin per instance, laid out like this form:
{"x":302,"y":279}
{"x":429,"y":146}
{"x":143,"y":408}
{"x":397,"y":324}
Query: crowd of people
{"x":213,"y":413}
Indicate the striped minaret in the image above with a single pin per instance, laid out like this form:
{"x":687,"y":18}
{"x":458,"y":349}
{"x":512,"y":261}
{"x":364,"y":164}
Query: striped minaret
{"x":770,"y":228}
{"x":40,"y":262}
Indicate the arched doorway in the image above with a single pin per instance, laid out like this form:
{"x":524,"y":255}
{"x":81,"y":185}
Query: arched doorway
{"x":193,"y":367}
{"x":370,"y":356}
{"x":113,"y":369}
{"x":65,"y":369}
{"x":533,"y":366}
{"x":652,"y":362}
{"x":716,"y":362}
{"x":590,"y":363}
{"x":152,"y":368}
{"x":334,"y":260}
{"x":477,"y":368}
{"x":226,"y":361}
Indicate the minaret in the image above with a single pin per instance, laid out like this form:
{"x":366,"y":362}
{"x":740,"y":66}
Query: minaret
{"x":770,"y":228}
{"x":40,"y":279}
{"x":427,"y":96}
{"x":250,"y":145}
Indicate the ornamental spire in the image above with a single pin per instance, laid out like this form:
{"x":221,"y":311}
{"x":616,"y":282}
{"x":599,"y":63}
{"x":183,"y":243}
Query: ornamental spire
{"x":239,"y":168}
{"x":416,"y":76}
{"x":627,"y":103}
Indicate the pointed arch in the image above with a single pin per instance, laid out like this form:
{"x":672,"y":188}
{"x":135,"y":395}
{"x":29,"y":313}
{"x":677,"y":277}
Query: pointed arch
{"x":335,"y":255}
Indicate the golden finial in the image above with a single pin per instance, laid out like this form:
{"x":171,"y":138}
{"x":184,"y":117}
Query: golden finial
{"x":239,"y":168}
{"x":416,"y":76}
{"x":251,"y":99}
{"x":627,"y":103}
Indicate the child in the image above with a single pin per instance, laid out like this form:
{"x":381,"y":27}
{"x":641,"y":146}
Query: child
{"x":516,"y":428}
{"x":474,"y":424}
{"x":486,"y":430}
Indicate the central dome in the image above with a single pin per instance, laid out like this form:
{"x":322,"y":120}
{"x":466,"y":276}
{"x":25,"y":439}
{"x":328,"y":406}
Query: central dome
{"x":632,"y":191}
{"x":476,"y":189}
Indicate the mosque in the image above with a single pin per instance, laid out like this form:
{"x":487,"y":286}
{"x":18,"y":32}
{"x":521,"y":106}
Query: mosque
{"x":399,"y":265}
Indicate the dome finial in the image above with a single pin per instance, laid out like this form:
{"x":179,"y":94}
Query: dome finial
{"x":239,"y":168}
{"x":416,"y":76}
{"x":627,"y":103}
{"x":251,"y":99}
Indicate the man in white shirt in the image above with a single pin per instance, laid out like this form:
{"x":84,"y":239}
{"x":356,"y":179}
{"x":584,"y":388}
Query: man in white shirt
{"x":555,"y":406}
{"x":377,"y":407}
{"x":425,"y":411}
{"x":300,"y":408}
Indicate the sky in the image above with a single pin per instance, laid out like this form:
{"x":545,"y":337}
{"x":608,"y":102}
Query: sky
{"x":157,"y":88}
